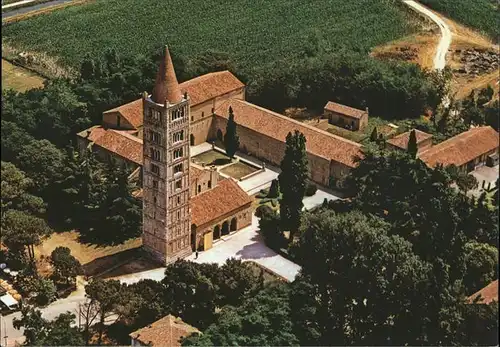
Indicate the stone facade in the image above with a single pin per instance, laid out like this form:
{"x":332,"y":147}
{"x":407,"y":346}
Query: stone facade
{"x":165,"y":169}
{"x":345,"y":116}
{"x":203,"y":179}
{"x":211,"y":232}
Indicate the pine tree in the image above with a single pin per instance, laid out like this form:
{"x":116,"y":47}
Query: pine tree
{"x":412,"y":144}
{"x":374,"y":135}
{"x":293,"y":181}
{"x":122,"y":211}
{"x":231,"y":139}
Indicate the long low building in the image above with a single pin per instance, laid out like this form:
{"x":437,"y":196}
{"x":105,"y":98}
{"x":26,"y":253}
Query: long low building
{"x":263,"y":132}
{"x":467,"y":150}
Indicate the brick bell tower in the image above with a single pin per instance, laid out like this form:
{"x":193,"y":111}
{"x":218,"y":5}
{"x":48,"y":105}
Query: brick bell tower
{"x":166,"y":212}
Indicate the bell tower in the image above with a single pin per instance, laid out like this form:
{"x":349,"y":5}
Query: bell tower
{"x":166,"y":186}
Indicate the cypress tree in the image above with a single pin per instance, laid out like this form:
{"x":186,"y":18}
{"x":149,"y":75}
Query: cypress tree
{"x":412,"y":144}
{"x":231,"y":139}
{"x":293,"y":181}
{"x":374,"y":135}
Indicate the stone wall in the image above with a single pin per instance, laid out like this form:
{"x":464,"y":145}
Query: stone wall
{"x":272,"y":150}
{"x":111,"y":120}
{"x":207,"y":180}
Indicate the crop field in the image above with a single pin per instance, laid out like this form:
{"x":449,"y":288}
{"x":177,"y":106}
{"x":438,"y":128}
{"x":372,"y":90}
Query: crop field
{"x":253,"y":32}
{"x":482,"y":15}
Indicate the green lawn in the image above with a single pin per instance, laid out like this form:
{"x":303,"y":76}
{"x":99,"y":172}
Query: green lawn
{"x":483,"y":15}
{"x":238,"y":170}
{"x":211,"y":157}
{"x":364,"y":135}
{"x":253,"y":32}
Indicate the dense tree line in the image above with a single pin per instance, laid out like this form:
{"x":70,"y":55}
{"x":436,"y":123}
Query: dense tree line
{"x":391,"y":90}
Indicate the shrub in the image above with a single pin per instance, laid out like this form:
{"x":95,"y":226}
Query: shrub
{"x":269,"y":226}
{"x":311,"y":189}
{"x":45,"y":291}
{"x":265,"y":200}
{"x":263,"y":210}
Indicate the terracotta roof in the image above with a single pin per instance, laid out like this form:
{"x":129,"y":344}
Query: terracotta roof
{"x":92,"y":133}
{"x":166,"y":86}
{"x":224,"y":198}
{"x":274,"y":125}
{"x":462,"y":148}
{"x":199,"y":89}
{"x":166,"y":331}
{"x":121,"y":143}
{"x":210,"y":86}
{"x":344,"y":110}
{"x":488,"y":293}
{"x":401,"y":140}
{"x":132,"y":112}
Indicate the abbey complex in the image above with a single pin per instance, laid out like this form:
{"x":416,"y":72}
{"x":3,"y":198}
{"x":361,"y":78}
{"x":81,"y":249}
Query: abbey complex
{"x":187,"y":206}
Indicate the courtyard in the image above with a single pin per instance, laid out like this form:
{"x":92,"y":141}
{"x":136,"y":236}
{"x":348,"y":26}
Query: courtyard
{"x":486,"y":178}
{"x":211,"y":157}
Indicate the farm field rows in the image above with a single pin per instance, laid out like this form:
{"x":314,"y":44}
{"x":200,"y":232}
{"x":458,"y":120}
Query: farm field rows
{"x":483,"y":15}
{"x":252,"y":32}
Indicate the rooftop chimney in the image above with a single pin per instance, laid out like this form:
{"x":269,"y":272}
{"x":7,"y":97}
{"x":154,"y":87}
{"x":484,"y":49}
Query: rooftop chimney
{"x":166,"y":85}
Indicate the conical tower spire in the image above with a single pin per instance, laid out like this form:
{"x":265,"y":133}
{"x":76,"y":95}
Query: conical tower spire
{"x":166,"y":85}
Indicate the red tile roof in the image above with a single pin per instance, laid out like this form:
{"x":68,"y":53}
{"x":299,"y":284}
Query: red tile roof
{"x":210,"y":86}
{"x":488,"y":294}
{"x":401,"y":140}
{"x":344,"y":110}
{"x":166,"y":331}
{"x":462,"y":148}
{"x":274,"y":125}
{"x":166,"y":86}
{"x":92,"y":133}
{"x":199,"y":89}
{"x":224,"y":198}
{"x":132,"y":112}
{"x":125,"y":145}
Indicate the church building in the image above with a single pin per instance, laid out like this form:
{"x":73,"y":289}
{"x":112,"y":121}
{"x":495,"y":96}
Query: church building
{"x":188,"y":207}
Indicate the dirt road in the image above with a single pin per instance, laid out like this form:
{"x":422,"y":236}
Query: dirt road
{"x":445,"y":42}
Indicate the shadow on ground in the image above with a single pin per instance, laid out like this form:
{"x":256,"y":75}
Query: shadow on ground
{"x":103,"y":265}
{"x":256,"y":250}
{"x":134,"y":265}
{"x":101,"y":238}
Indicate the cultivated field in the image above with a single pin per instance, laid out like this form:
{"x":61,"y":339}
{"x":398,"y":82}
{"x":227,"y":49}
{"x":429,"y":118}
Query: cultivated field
{"x":483,"y":15}
{"x":18,"y":78}
{"x":252,"y":32}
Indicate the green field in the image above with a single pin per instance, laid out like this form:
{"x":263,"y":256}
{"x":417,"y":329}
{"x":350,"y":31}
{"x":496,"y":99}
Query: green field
{"x":253,"y":32}
{"x":483,"y":15}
